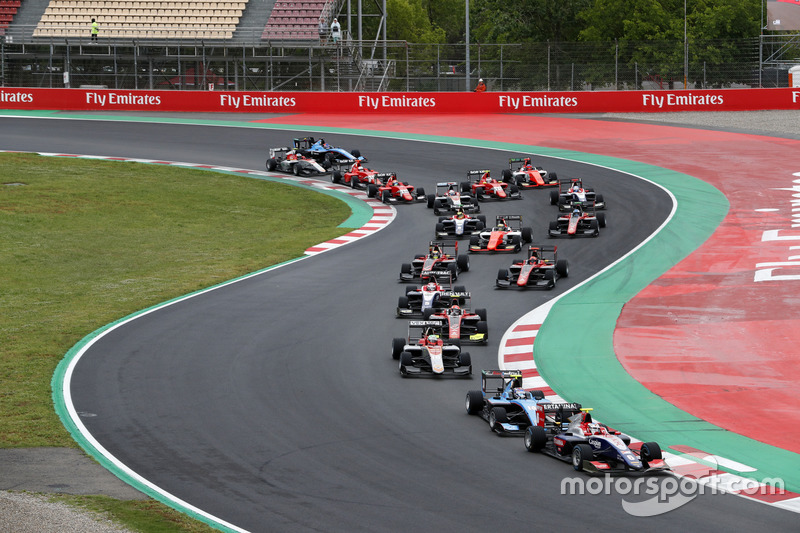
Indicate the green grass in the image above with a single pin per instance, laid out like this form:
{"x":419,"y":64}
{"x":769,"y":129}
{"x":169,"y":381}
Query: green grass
{"x":85,"y":242}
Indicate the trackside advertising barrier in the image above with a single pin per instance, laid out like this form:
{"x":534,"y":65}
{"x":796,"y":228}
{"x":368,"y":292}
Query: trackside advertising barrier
{"x":461,"y":102}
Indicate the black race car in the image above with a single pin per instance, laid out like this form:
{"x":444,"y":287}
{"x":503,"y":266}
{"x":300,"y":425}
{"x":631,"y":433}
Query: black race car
{"x":438,"y":258}
{"x":581,"y":221}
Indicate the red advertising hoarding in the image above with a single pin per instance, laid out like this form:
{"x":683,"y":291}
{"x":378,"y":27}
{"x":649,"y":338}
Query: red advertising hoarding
{"x":489,"y":102}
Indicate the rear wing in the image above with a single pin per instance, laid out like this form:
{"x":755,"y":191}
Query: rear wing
{"x":545,"y":252}
{"x":442,"y":277}
{"x":555,"y":415}
{"x":490,"y":378}
{"x":386,"y":175}
{"x":516,"y":219}
{"x":445,"y":185}
{"x":304,"y":142}
{"x":444,"y":246}
{"x":479,"y":173}
{"x":565,"y":185}
{"x":279,"y":150}
{"x":426,"y":327}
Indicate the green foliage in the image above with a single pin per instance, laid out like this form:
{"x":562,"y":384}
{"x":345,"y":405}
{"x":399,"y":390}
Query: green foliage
{"x":409,"y":20}
{"x":499,"y":21}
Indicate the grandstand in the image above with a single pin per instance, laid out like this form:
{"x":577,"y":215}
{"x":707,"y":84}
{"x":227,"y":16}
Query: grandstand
{"x":304,"y":21}
{"x":8,"y":8}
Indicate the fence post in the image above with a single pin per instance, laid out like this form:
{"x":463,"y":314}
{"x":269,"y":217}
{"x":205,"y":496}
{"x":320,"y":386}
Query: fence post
{"x":616,"y":65}
{"x":548,"y":65}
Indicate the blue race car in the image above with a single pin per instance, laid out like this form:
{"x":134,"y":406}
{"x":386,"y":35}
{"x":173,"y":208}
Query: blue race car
{"x":323,"y":152}
{"x":502,"y":402}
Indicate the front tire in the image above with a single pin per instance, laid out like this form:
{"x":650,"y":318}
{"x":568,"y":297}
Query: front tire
{"x":581,"y":453}
{"x":398,"y":343}
{"x":650,"y":451}
{"x":497,"y":416}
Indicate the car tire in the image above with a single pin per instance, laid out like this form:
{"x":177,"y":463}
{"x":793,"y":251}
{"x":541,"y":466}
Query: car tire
{"x":482,"y":218}
{"x":481,"y":312}
{"x":296,"y":169}
{"x":272,"y":164}
{"x":466,"y":186}
{"x":601,"y":218}
{"x":336,"y":176}
{"x":459,"y":288}
{"x":385,"y":195}
{"x":402,"y":303}
{"x":474,"y":240}
{"x":483,"y":327}
{"x":474,"y":402}
{"x":462,"y":261}
{"x":649,"y":451}
{"x":497,"y":416}
{"x":453,"y":270}
{"x":502,"y":275}
{"x":537,"y":394}
{"x":398,"y":343}
{"x":465,"y":359}
{"x":430,"y":200}
{"x":353,"y":182}
{"x":598,"y":199}
{"x":356,"y":153}
{"x":562,"y":268}
{"x":553,"y":197}
{"x":406,"y":360}
{"x":507,"y":176}
{"x":581,"y":453}
{"x":527,"y":234}
{"x":550,"y":276}
{"x":426,"y":314}
{"x":535,"y":438}
{"x":594,"y":225}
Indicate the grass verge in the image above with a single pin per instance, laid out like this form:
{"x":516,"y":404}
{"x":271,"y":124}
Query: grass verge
{"x":84,"y":242}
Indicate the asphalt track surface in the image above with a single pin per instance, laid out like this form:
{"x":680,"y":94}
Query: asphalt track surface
{"x":273,"y":403}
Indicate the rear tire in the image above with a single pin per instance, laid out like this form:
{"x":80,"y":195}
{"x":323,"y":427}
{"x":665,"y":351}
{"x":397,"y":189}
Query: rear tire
{"x":527,"y":234}
{"x":507,"y":176}
{"x":474,"y":402}
{"x":272,"y":164}
{"x":462,"y":260}
{"x":336,"y":177}
{"x":372,"y":190}
{"x":553,"y":197}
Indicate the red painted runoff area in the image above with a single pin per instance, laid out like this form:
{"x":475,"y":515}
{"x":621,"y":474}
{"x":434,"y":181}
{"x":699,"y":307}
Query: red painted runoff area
{"x":718,"y":334}
{"x":31,"y":99}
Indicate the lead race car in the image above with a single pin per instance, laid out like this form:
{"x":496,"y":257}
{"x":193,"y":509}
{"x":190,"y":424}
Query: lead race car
{"x":448,"y":199}
{"x":428,"y":354}
{"x":583,"y":221}
{"x":572,"y":190}
{"x":507,"y":235}
{"x":523,"y":174}
{"x":539,"y":270}
{"x":459,"y":225}
{"x":437,"y":294}
{"x":286,"y":159}
{"x":503,"y":403}
{"x":438,"y":258}
{"x":590,"y":446}
{"x":484,"y":187}
{"x":323,"y":153}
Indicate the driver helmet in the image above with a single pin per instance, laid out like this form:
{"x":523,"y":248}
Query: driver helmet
{"x":456,"y":310}
{"x":433,"y":339}
{"x":594,"y":428}
{"x":460,"y":214}
{"x":576,"y":212}
{"x":576,"y":188}
{"x":520,"y":393}
{"x":431,"y":286}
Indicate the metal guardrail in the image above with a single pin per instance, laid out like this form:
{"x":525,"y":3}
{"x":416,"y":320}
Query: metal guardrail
{"x":247,"y":62}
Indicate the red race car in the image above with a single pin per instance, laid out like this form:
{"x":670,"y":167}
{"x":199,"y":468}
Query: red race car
{"x":396,"y":191}
{"x":540,"y":270}
{"x":582,"y":221}
{"x":527,"y":176}
{"x":461,"y":323}
{"x":481,"y":184}
{"x":352,"y":172}
{"x":507,"y":235}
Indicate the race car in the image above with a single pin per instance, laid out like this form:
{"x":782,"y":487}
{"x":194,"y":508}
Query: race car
{"x":428,"y":354}
{"x":437,"y":294}
{"x":449,"y":199}
{"x":352,"y":172}
{"x":437,"y":258}
{"x":507,"y":235}
{"x":286,"y":159}
{"x":572,"y":190}
{"x":483,"y":187}
{"x":322,"y":152}
{"x":459,"y":225}
{"x":393,"y":190}
{"x":582,"y":221}
{"x":523,"y":174}
{"x":539,"y":270}
{"x":458,"y":322}
{"x":588,"y":445}
{"x":502,"y":402}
